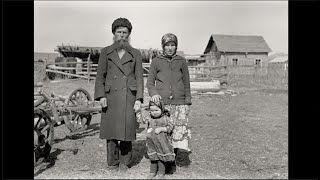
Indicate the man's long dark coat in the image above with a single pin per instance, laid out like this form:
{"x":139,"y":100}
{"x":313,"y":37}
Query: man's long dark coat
{"x":121,"y":81}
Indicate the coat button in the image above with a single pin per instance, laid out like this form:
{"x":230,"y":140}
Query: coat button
{"x":124,"y":76}
{"x":115,"y":89}
{"x":115,"y":77}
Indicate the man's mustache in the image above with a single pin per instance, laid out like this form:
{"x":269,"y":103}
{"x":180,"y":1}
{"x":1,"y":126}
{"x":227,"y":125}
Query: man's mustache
{"x":122,"y":40}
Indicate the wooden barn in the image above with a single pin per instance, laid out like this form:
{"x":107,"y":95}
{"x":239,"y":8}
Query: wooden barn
{"x":236,"y":50}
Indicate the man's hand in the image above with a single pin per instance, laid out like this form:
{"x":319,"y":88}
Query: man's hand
{"x":103,"y":102}
{"x":137,"y":106}
{"x":155,"y":98}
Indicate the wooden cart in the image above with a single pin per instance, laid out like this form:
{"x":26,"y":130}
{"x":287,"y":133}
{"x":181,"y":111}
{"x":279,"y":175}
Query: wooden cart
{"x":52,"y":110}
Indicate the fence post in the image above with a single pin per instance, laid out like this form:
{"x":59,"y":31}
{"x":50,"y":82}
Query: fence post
{"x":88,"y":68}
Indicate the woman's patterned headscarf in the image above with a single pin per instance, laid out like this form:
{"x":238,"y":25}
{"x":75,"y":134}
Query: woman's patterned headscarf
{"x":169,"y":37}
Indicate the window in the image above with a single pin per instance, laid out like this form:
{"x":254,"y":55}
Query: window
{"x":234,"y":61}
{"x":258,"y":62}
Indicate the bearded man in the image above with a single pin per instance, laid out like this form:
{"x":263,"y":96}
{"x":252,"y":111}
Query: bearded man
{"x":119,"y":89}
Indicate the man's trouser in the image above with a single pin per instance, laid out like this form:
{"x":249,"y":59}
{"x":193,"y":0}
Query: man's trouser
{"x":119,"y":152}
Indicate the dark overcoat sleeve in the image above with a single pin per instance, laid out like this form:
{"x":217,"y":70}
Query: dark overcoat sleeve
{"x":151,"y":79}
{"x":139,"y":77}
{"x":99,"y":91}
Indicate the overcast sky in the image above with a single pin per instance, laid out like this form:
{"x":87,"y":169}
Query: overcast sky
{"x":88,"y":23}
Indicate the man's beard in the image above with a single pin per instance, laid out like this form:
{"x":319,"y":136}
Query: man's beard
{"x":122,"y":44}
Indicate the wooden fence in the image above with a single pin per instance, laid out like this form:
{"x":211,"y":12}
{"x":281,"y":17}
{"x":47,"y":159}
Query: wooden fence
{"x":88,"y":70}
{"x":270,"y":75}
{"x":208,"y":73}
{"x":225,"y":74}
{"x":82,"y":69}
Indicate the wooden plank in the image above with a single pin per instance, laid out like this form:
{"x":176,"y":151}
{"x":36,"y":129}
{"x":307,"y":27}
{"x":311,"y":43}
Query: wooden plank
{"x":67,"y":68}
{"x":68,"y":63}
{"x":146,"y":69}
{"x":213,"y":67}
{"x":88,"y":68}
{"x":83,"y":109}
{"x":198,"y":73}
{"x":146,"y":65}
{"x":75,"y":75}
{"x":61,"y":68}
{"x":85,"y":72}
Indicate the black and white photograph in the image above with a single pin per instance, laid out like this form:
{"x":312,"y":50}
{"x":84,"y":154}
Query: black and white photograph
{"x":161,"y":89}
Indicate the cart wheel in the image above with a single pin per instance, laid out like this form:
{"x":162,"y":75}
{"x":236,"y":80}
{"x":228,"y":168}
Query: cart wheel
{"x":79,"y":97}
{"x":43,"y":134}
{"x":81,"y":121}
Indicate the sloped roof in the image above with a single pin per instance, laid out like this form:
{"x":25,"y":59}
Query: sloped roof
{"x":279,"y":59}
{"x":238,"y":43}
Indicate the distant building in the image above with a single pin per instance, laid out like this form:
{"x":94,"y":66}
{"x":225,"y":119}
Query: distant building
{"x":44,"y":57}
{"x":195,"y":61}
{"x":280,"y":61}
{"x":236,"y":50}
{"x":83,"y":52}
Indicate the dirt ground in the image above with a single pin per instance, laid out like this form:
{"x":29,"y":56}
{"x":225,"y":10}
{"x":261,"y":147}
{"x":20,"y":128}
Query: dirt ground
{"x":242,"y":135}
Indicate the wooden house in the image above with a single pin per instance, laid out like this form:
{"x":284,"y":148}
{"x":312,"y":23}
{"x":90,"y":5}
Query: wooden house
{"x":236,"y":50}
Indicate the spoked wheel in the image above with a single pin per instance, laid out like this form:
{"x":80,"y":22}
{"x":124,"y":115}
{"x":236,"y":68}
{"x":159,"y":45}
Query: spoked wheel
{"x":80,"y":121}
{"x":43,"y":134}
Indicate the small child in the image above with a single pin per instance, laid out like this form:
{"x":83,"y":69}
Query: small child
{"x":158,"y":141}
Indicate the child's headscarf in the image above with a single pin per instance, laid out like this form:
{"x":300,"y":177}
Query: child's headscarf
{"x":160,"y":104}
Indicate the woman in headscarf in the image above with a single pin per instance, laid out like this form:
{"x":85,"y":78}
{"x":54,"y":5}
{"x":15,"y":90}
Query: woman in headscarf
{"x":169,"y":81}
